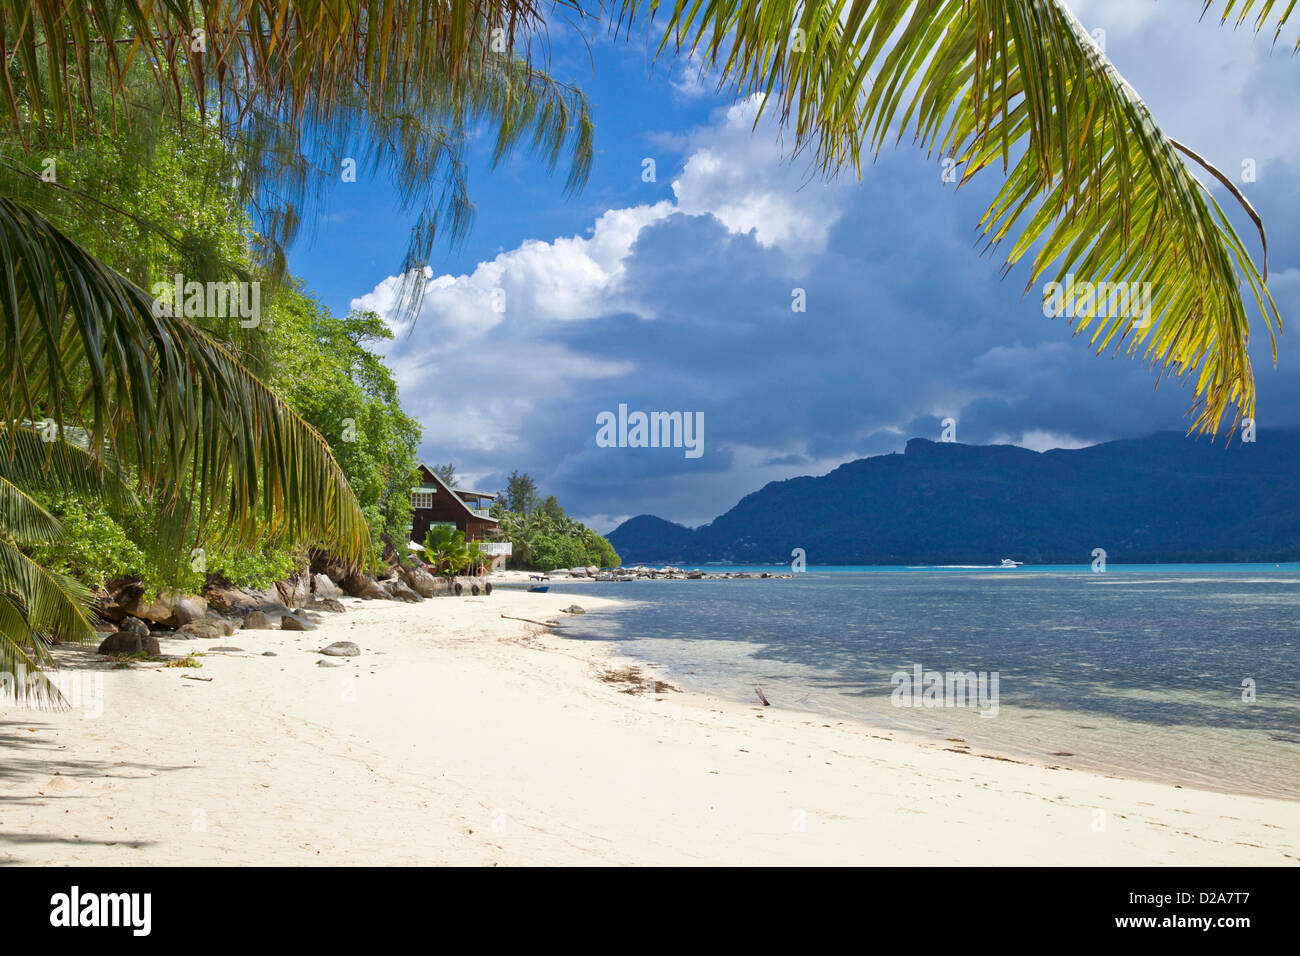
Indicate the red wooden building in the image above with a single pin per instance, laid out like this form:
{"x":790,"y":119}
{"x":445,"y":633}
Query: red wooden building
{"x":435,"y":502}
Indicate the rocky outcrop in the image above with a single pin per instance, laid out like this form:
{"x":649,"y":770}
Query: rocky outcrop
{"x":362,"y":586}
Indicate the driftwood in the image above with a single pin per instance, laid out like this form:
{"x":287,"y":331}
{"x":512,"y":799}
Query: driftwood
{"x":528,"y":620}
{"x":192,"y":677}
{"x":759,"y":691}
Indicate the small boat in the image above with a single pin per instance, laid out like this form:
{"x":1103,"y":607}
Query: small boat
{"x":538,"y":588}
{"x":1008,"y":563}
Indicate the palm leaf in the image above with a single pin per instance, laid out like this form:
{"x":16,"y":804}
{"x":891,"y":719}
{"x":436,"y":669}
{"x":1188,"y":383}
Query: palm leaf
{"x":81,"y":344}
{"x":1093,"y":187}
{"x":1261,"y":8}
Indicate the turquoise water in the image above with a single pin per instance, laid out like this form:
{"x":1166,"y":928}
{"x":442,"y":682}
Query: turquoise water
{"x":1138,"y":671}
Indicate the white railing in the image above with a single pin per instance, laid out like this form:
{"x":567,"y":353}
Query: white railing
{"x":496,"y":549}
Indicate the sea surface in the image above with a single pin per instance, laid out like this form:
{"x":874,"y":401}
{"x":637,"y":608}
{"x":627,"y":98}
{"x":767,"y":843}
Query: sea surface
{"x":1182,"y":673}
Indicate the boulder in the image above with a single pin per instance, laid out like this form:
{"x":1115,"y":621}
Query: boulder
{"x":362,"y":586}
{"x":323,"y":587}
{"x":295,"y":590}
{"x":239,"y":602}
{"x":341,"y":649}
{"x":291,"y":622}
{"x":221,"y":623}
{"x":401,"y":592}
{"x":326,"y":604}
{"x":257,"y":621}
{"x":130,"y":641}
{"x":204,"y":629}
{"x":420,"y":581}
{"x":575,"y":609}
{"x":170,"y":608}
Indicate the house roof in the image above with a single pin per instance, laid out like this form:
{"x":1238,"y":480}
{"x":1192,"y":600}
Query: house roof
{"x":452,"y":494}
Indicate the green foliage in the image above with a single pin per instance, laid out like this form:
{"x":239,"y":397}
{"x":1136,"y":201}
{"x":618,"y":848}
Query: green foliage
{"x":520,"y":495}
{"x":547,"y":539}
{"x":446,"y":551}
{"x":324,"y":368}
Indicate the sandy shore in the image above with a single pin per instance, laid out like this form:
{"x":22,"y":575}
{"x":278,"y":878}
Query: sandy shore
{"x":460,"y":737}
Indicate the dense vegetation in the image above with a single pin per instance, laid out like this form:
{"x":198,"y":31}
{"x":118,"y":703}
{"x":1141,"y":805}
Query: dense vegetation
{"x":161,"y":202}
{"x":543,"y":537}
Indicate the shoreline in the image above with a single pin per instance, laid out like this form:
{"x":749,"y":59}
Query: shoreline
{"x":461,"y":737}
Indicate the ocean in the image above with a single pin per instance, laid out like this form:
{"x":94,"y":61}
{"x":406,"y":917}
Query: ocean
{"x":1188,"y":674}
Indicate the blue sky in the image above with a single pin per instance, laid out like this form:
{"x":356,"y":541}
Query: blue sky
{"x":675,"y":295}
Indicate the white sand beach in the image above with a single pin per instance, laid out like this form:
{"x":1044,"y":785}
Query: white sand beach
{"x":460,"y":737}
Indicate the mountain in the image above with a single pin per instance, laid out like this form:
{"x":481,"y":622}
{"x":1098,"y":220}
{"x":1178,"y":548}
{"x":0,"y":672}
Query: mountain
{"x":1162,"y":498}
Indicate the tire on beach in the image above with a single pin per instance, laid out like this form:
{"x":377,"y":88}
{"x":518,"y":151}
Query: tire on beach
{"x":459,"y":588}
{"x":474,"y":590}
{"x":487,"y":588}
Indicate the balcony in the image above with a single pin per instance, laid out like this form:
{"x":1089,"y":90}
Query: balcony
{"x":496,"y":549}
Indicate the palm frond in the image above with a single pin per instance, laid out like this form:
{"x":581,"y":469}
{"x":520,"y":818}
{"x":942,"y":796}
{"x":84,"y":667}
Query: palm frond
{"x":81,"y":345}
{"x":1093,"y":188}
{"x":53,"y":605}
{"x":1261,"y":8}
{"x":21,"y":655}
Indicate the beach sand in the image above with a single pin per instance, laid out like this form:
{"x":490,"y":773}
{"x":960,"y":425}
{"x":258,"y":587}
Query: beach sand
{"x":460,"y":737}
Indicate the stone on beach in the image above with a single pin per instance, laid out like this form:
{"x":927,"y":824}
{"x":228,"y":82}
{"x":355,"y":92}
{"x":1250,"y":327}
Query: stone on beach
{"x":203,"y":629}
{"x":291,"y":622}
{"x":341,"y":649}
{"x":257,"y":621}
{"x":131,"y":641}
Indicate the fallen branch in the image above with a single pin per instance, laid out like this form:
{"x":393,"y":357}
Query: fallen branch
{"x":528,"y":620}
{"x":759,"y":691}
{"x":192,"y":677}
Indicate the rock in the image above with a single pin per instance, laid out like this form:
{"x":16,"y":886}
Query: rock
{"x":323,"y":587}
{"x":327,"y":604}
{"x":420,"y":581}
{"x":257,"y":621}
{"x":133,"y":625}
{"x":291,"y":622}
{"x":228,"y":650}
{"x":362,"y":586}
{"x":239,"y":602}
{"x":223,"y":624}
{"x":270,"y":654}
{"x":130,"y":641}
{"x":202,"y":629}
{"x":330,"y":664}
{"x":105,"y":627}
{"x":694,"y":575}
{"x":575,"y":609}
{"x":341,"y":649}
{"x":401,"y":592}
{"x":295,"y":590}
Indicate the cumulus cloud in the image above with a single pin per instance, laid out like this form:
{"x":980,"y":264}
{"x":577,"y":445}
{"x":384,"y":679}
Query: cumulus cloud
{"x":686,"y":305}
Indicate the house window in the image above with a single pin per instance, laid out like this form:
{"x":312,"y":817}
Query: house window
{"x":421,"y":499}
